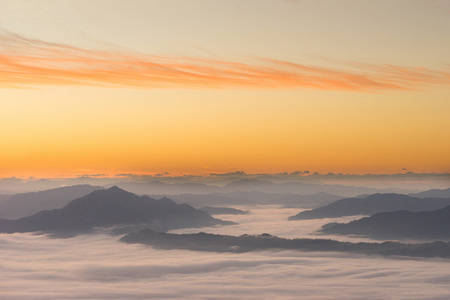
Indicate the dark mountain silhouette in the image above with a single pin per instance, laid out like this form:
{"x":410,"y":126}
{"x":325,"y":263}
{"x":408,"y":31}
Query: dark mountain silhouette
{"x":426,"y":225}
{"x":244,"y":243}
{"x":25,"y":204}
{"x":434,"y":193}
{"x":224,"y":211}
{"x":371,"y":205}
{"x":112,"y":207}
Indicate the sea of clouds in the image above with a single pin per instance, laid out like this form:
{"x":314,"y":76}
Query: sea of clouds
{"x":97,"y":266}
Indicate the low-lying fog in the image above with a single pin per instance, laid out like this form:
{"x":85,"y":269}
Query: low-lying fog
{"x":273,"y":219}
{"x":99,"y":267}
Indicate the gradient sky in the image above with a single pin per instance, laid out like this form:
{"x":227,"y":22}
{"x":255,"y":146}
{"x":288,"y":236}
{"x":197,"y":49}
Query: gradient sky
{"x":111,"y":86}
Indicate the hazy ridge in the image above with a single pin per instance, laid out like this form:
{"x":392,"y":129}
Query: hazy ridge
{"x":245,"y":243}
{"x":425,"y":225}
{"x":112,"y":207}
{"x":371,"y":205}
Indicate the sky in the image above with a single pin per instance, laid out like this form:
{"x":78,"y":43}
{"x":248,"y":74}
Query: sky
{"x":197,"y":87}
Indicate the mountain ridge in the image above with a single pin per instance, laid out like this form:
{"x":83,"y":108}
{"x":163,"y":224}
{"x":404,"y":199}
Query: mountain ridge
{"x":25,"y":204}
{"x":246,"y":243}
{"x":423,"y":225}
{"x":112,"y":207}
{"x":371,"y":205}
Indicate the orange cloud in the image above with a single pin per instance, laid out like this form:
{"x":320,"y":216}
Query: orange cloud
{"x":27,"y":62}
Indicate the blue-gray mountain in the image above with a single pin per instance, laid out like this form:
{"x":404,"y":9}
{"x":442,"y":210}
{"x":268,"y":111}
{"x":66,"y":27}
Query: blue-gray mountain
{"x":371,"y":205}
{"x":112,"y":207}
{"x":253,"y":198}
{"x":25,"y":204}
{"x":433,"y":193}
{"x":224,"y":211}
{"x":246,"y":185}
{"x":424,"y":225}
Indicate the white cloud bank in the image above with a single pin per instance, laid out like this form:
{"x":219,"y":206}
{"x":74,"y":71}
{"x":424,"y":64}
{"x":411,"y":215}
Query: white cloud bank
{"x":99,"y":267}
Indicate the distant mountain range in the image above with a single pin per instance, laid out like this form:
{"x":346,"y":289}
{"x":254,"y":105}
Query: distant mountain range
{"x":158,"y":187}
{"x":25,"y":204}
{"x":240,"y":192}
{"x":371,"y":205}
{"x":112,"y":207}
{"x":253,"y":198}
{"x":245,"y":243}
{"x":248,"y":185}
{"x":426,"y":225}
{"x":434,"y":193}
{"x":224,"y":211}
{"x":245,"y":185}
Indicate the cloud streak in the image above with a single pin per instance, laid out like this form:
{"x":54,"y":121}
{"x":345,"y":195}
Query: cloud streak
{"x":28,"y":62}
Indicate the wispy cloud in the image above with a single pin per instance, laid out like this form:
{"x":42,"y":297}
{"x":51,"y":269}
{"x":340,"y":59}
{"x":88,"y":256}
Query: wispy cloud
{"x":27,"y":62}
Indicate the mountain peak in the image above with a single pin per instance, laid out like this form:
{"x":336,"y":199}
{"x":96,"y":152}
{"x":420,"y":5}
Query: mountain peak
{"x":112,"y":207}
{"x":114,"y":188}
{"x":165,"y":199}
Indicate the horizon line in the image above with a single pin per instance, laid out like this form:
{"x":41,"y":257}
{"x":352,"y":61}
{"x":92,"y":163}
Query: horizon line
{"x":298,"y":174}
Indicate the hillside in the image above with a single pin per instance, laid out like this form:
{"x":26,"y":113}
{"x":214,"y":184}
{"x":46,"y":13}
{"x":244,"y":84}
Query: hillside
{"x":245,"y":243}
{"x":112,"y":207}
{"x":25,"y":204}
{"x":427,"y":225}
{"x":371,"y":205}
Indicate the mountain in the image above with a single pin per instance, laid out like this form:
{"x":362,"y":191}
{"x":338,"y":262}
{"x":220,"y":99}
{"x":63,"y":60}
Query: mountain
{"x":112,"y":207}
{"x":211,"y":199}
{"x":254,"y":198}
{"x":434,"y":193}
{"x":15,"y":185}
{"x":4,"y":198}
{"x":371,"y":205}
{"x":224,"y":211}
{"x":288,"y":199}
{"x":25,"y":204}
{"x":245,"y":243}
{"x":427,"y":225}
{"x":158,"y":187}
{"x":249,"y":185}
{"x":244,"y":185}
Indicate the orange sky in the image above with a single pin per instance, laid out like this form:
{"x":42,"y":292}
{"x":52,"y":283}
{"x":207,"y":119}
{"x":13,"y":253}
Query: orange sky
{"x":183,"y":93}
